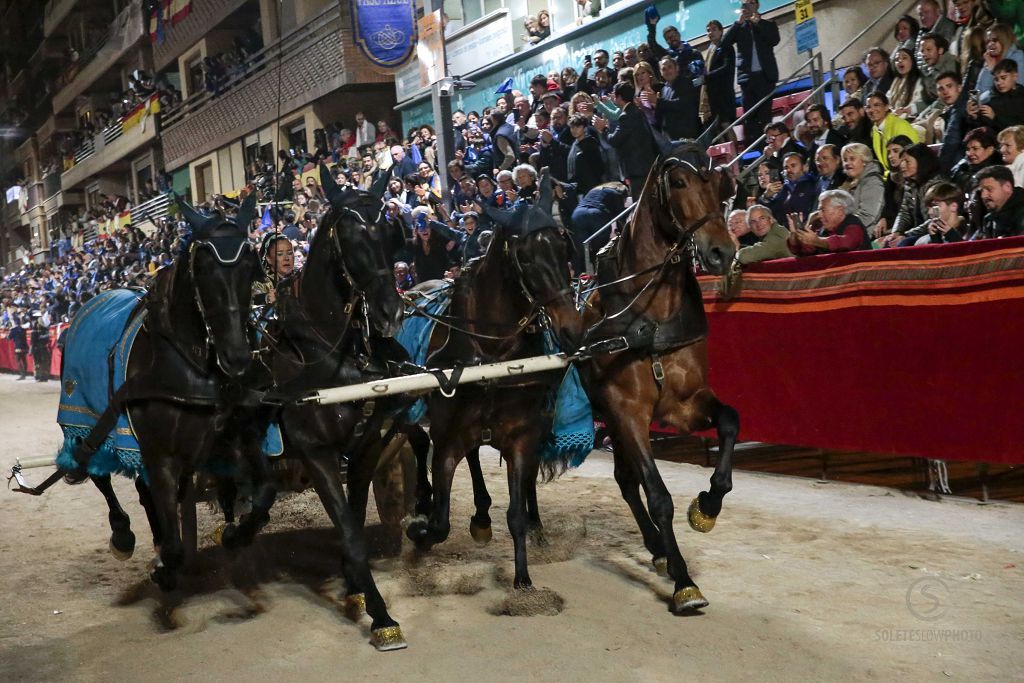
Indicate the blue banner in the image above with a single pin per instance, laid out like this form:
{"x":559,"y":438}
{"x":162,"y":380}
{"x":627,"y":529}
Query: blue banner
{"x":385,"y":30}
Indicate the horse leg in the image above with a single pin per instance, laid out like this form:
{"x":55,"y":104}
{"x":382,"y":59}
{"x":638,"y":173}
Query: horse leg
{"x":164,"y":497}
{"x":323,"y":471}
{"x":189,"y":522}
{"x":479,"y":523}
{"x":637,"y":446}
{"x":705,"y":507}
{"x":535,"y":526}
{"x":419,"y":440}
{"x":628,"y":478}
{"x":436,"y":529}
{"x":264,"y":494}
{"x":361,"y":468}
{"x":146,"y":501}
{"x":122,"y":540}
{"x":522,"y":469}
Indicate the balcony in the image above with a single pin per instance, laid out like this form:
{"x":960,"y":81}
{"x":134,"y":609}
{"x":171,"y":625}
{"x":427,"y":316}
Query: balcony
{"x":125,"y":33}
{"x":146,"y":214}
{"x":303,"y":66}
{"x":55,"y":197}
{"x":110,"y":146}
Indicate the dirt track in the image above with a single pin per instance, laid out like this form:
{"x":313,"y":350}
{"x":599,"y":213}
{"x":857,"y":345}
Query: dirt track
{"x":806,"y":581}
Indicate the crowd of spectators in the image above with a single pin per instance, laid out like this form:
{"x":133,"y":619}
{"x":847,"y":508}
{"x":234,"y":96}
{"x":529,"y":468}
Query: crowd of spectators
{"x":924,"y":147}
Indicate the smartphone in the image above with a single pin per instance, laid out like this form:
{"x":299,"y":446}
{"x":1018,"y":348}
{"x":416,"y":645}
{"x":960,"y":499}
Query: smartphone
{"x":933,"y":212}
{"x":774,"y":175}
{"x":974,"y":96}
{"x":586,"y":59}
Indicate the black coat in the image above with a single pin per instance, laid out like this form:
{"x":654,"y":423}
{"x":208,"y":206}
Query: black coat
{"x":633,"y":141}
{"x":585,"y":164}
{"x":1008,"y":108}
{"x":719,"y":83}
{"x":678,"y":110}
{"x":1007,"y":221}
{"x":833,"y":137}
{"x":745,"y":35}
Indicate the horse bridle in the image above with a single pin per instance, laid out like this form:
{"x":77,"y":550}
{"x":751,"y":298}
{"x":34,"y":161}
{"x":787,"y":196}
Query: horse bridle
{"x":684,"y":233}
{"x":244,"y":248}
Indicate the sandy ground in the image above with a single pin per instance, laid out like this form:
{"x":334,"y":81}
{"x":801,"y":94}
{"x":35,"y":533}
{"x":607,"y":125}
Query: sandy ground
{"x":806,"y":581}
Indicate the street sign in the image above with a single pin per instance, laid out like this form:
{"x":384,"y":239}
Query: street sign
{"x":806,"y":26}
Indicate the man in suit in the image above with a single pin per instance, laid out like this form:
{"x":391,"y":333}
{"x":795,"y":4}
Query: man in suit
{"x":717,"y":95}
{"x":632,"y":138}
{"x":676,"y":110}
{"x":757,"y":71}
{"x":819,"y":124}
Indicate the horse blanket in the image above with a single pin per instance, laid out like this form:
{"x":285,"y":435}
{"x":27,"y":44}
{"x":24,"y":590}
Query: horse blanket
{"x":96,"y":352}
{"x":572,"y":430}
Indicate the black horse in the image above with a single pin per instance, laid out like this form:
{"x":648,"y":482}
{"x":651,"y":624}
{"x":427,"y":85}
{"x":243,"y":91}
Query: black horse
{"x":183,"y":385}
{"x":333,"y":318}
{"x":499,"y":306}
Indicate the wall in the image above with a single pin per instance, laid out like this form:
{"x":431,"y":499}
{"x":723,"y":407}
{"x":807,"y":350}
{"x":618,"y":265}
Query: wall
{"x":205,"y":15}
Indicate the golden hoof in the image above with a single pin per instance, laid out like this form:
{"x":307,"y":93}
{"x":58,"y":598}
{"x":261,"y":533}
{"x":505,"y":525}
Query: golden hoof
{"x":481,"y":534}
{"x":355,"y":605}
{"x":688,"y":598}
{"x":119,"y":554}
{"x":661,"y":566}
{"x":388,"y":638}
{"x":698,"y":520}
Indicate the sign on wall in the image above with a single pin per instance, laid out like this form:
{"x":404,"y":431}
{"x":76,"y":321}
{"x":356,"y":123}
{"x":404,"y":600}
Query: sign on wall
{"x":806,"y":26}
{"x":385,"y":30}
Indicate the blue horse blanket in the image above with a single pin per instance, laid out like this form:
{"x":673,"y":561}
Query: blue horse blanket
{"x":572,"y":431}
{"x":96,"y":353}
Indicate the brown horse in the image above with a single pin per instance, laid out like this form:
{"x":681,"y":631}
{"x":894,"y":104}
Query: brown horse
{"x":500,"y":304}
{"x":648,"y":312}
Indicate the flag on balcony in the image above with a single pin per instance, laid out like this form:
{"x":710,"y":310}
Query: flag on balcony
{"x":157,"y":20}
{"x":179,"y":10}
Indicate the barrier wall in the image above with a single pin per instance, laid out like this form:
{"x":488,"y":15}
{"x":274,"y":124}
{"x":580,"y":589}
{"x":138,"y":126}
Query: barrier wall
{"x":905,"y":351}
{"x":9,"y":364}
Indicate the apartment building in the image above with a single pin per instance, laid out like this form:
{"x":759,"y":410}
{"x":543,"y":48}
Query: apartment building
{"x":130,"y":96}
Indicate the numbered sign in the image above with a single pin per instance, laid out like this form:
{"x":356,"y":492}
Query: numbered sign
{"x":806,"y":26}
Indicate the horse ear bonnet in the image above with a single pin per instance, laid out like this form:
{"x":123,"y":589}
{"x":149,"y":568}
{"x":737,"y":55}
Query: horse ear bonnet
{"x":335,"y":194}
{"x":538,"y":216}
{"x":227,"y":248}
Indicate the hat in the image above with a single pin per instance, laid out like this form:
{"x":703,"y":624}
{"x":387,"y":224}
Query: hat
{"x":551,"y":93}
{"x":651,"y":14}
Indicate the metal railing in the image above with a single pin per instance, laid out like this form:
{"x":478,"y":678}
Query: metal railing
{"x":836,"y":82}
{"x":151,"y":209}
{"x":769,"y":97}
{"x":806,"y":102}
{"x":288,"y":45}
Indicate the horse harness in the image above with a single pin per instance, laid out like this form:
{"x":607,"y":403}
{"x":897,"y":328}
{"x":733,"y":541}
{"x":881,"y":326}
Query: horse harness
{"x":629,"y":329}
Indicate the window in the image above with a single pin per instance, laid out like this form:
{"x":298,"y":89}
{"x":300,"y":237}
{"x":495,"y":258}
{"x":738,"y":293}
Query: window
{"x":297,"y":136}
{"x":196,"y":80}
{"x":204,"y":182}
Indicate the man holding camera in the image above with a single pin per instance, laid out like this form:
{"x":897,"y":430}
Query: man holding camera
{"x":757,"y":72}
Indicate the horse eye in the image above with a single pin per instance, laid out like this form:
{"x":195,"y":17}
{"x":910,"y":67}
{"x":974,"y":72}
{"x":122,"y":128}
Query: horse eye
{"x":677,"y":182}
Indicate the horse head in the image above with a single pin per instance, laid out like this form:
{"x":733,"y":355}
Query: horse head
{"x":222,"y":266}
{"x":540,"y":252}
{"x":362,"y":243}
{"x":690,"y":197}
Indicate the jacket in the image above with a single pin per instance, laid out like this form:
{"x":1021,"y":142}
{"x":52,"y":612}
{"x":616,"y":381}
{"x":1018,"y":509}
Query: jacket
{"x":772,"y":246}
{"x":869,"y":193}
{"x":1007,"y":221}
{"x":913,"y":210}
{"x":892,"y":126}
{"x":799,"y":197}
{"x":849,"y":236}
{"x":747,"y":36}
{"x":677,"y":111}
{"x":1008,"y":108}
{"x":585,"y":164}
{"x":634,"y":142}
{"x":718,"y":83}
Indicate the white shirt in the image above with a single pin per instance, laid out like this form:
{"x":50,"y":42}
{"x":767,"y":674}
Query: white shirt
{"x":1017,"y":167}
{"x":366,"y":134}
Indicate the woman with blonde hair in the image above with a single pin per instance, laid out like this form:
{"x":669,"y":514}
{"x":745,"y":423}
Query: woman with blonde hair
{"x":1000,"y":44}
{"x":647,"y":89}
{"x":865,"y":183}
{"x":1011,"y":147}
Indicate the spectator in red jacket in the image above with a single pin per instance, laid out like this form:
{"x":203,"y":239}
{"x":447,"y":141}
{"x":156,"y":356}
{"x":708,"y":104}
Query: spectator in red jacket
{"x":840,"y":229}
